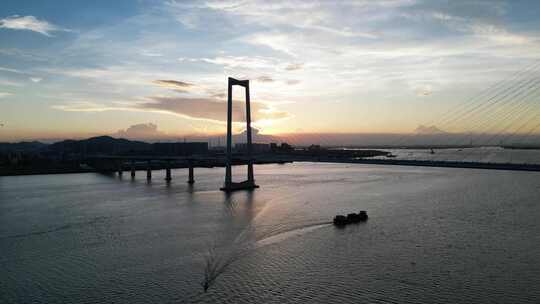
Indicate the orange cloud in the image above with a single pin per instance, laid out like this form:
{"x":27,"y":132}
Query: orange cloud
{"x":211,"y":109}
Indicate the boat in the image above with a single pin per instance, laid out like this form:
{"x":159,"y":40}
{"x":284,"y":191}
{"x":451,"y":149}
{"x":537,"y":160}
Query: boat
{"x":351,"y":218}
{"x":363,"y":215}
{"x":340,"y":220}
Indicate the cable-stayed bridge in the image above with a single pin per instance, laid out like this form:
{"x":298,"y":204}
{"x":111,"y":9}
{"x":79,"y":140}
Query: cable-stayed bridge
{"x":506,"y":114}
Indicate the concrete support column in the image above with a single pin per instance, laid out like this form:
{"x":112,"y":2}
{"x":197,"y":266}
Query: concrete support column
{"x":228,"y":161}
{"x":149,"y":171}
{"x":168,"y":172}
{"x":132,"y":169}
{"x":248,"y":128}
{"x":191,"y":178}
{"x":119,"y":168}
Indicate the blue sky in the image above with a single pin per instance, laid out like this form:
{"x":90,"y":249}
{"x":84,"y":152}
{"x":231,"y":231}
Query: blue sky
{"x":81,"y":68}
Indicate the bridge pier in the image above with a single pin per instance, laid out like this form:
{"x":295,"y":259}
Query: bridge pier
{"x":148,"y":171}
{"x":191,"y":178}
{"x":132,"y":169}
{"x":168,"y":177}
{"x":119,"y":169}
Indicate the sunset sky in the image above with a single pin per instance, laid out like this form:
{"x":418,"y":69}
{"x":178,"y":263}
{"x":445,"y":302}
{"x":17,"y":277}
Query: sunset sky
{"x":82,"y":68}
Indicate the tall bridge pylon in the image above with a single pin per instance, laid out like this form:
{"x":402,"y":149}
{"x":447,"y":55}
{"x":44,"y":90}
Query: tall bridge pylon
{"x":229,"y":185}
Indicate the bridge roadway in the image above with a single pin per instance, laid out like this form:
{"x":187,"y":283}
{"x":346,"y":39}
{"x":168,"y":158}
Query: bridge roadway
{"x":219,"y":161}
{"x":117,"y":163}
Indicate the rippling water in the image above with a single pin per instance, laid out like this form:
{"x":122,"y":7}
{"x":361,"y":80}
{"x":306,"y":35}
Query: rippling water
{"x":435,"y":235}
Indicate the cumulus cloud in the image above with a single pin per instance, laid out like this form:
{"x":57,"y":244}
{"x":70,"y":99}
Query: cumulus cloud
{"x":140,"y":131}
{"x":29,"y":23}
{"x":211,"y":109}
{"x":256,"y":137}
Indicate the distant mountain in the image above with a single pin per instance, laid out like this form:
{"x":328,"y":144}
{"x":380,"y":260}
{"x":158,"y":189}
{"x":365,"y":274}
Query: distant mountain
{"x":428,"y":130}
{"x":242,"y":138}
{"x":24,"y":146}
{"x":100,"y":145}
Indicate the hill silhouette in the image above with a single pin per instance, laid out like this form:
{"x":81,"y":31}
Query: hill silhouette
{"x":23,"y":146}
{"x":100,"y":144}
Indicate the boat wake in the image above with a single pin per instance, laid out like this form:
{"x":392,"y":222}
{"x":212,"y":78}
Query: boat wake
{"x":217,"y":262}
{"x":284,"y":235}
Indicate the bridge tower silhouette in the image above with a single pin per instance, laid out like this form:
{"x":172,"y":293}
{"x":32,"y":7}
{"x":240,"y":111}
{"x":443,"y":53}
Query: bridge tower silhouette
{"x":229,"y":185}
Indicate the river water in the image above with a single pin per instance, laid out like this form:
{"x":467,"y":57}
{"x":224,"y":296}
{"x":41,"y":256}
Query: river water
{"x":435,"y":235}
{"x":483,"y":154}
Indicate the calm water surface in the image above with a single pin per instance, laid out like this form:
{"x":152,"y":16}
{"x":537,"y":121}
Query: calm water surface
{"x":435,"y":235}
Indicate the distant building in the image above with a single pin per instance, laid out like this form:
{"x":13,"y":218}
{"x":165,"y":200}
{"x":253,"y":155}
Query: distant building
{"x":256,"y":147}
{"x":314,"y":148}
{"x":180,"y":148}
{"x":217,"y":149}
{"x":284,"y":147}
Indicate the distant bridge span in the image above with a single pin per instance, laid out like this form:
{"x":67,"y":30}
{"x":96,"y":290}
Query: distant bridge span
{"x":442,"y":164}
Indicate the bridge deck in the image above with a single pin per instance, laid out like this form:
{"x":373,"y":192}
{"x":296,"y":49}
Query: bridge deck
{"x":202,"y":161}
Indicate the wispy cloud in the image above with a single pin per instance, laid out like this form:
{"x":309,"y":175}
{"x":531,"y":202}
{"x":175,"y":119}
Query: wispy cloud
{"x":315,"y":16}
{"x":3,"y":69}
{"x":151,"y":54}
{"x":251,"y":62}
{"x":7,"y":82}
{"x":87,"y":106}
{"x":265,"y":78}
{"x":5,"y":94}
{"x":293,"y":82}
{"x":30,"y":23}
{"x":481,"y":29}
{"x":294,"y":66}
{"x":15,"y":71}
{"x":193,"y":108}
{"x":211,"y":109}
{"x":174,"y":84}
